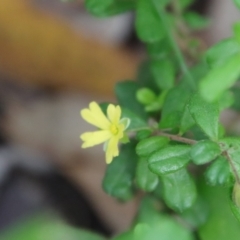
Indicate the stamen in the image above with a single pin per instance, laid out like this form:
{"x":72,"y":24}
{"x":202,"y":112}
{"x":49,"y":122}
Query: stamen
{"x":114,"y":129}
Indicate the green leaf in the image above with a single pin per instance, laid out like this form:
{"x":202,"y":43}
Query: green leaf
{"x":45,"y":227}
{"x":102,"y":8}
{"x":148,"y":210}
{"x":126,"y":95}
{"x":145,"y":77}
{"x":146,"y":180}
{"x":227,"y":75}
{"x":221,"y":224}
{"x":124,"y":236}
{"x":173,"y":106}
{"x":206,"y":116}
{"x":236,"y":95}
{"x":235,"y":210}
{"x":169,"y":159}
{"x":237,"y":3}
{"x":156,"y":106}
{"x":166,"y":228}
{"x":226,"y":100}
{"x":236,"y":29}
{"x":150,"y":145}
{"x":220,"y":53}
{"x":218,"y":173}
{"x":185,"y":3}
{"x":196,"y":21}
{"x":159,"y":50}
{"x":198,"y":214}
{"x":153,"y":225}
{"x":187,"y":121}
{"x":164,"y":73}
{"x":179,"y":190}
{"x":146,"y":96}
{"x":143,"y":134}
{"x":148,"y":25}
{"x":204,"y":152}
{"x":135,"y":121}
{"x":119,"y":174}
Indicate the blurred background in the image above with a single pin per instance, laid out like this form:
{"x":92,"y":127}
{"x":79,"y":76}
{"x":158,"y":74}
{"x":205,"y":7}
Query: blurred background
{"x":54,"y":59}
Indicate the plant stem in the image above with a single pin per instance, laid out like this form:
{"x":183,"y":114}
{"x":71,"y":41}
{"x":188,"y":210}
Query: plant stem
{"x":177,"y":138}
{"x":235,"y":173}
{"x":178,"y":53}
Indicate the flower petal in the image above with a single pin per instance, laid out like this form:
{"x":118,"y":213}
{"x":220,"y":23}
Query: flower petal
{"x":114,"y":113}
{"x":95,"y":116}
{"x":94,"y":138}
{"x":112,"y":149}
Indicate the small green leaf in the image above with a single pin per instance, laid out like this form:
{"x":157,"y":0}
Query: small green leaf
{"x":150,"y":145}
{"x":148,"y":24}
{"x":226,"y":100}
{"x":135,"y":121}
{"x":126,"y":95}
{"x":124,"y":236}
{"x":235,"y":210}
{"x":165,"y":228}
{"x":206,"y":116}
{"x":227,"y":75}
{"x":173,"y":106}
{"x":159,"y":50}
{"x":198,"y":214}
{"x":152,"y":224}
{"x":236,"y":95}
{"x":146,"y":180}
{"x":185,"y":3}
{"x":44,"y":227}
{"x":164,"y":73}
{"x":187,"y":121}
{"x":143,"y":134}
{"x":144,"y":76}
{"x":148,"y":210}
{"x":102,"y":8}
{"x":204,"y":152}
{"x":221,"y":224}
{"x":218,"y":173}
{"x":236,"y":29}
{"x":158,"y":104}
{"x":179,"y":190}
{"x":237,"y":3}
{"x":169,"y":159}
{"x":97,"y":6}
{"x":145,"y":96}
{"x":195,"y":20}
{"x":119,"y":174}
{"x":220,"y":53}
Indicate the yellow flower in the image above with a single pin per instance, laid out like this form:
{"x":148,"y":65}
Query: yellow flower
{"x":111,"y":128}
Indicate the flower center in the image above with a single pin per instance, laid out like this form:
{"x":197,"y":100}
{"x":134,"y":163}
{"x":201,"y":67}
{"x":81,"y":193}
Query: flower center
{"x":114,"y":129}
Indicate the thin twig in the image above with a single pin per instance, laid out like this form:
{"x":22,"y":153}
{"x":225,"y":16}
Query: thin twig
{"x":225,"y":154}
{"x":177,"y":138}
